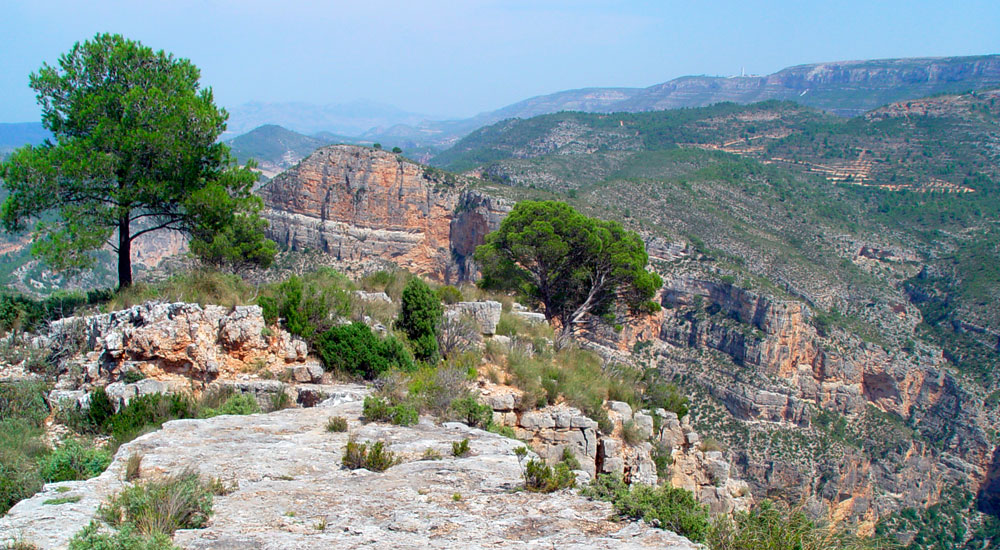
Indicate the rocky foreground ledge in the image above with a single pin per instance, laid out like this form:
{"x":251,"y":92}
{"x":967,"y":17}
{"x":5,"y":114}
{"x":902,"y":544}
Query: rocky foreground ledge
{"x":291,"y":492}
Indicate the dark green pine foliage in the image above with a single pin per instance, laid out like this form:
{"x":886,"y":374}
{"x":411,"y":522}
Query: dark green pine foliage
{"x":573,"y":264}
{"x":356,"y":350}
{"x":135,"y":150}
{"x":419,"y":317}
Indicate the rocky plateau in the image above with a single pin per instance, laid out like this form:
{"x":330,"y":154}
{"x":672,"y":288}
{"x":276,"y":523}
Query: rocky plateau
{"x":291,"y":491}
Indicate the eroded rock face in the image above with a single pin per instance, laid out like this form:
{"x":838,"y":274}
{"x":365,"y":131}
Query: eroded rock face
{"x":989,"y":494}
{"x":363,"y":206}
{"x":485,"y":314}
{"x":786,"y":372}
{"x":292,"y":493}
{"x":174,"y":344}
{"x":554,"y":429}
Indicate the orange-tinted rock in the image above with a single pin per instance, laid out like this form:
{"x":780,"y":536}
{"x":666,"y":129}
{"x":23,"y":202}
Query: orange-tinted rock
{"x":360,"y":206}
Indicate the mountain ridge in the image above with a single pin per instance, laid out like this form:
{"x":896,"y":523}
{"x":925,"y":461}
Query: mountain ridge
{"x":907,"y":78}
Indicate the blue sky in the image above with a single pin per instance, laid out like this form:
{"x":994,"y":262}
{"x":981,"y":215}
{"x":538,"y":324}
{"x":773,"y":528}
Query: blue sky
{"x":457,"y":58}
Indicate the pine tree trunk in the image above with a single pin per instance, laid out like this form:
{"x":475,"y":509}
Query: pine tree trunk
{"x":124,"y":252}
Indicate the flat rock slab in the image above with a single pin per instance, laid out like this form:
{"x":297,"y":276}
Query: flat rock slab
{"x":293,"y":494}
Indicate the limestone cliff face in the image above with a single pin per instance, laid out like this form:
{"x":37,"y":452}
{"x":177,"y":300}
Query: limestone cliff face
{"x":790,"y":373}
{"x":361,"y":205}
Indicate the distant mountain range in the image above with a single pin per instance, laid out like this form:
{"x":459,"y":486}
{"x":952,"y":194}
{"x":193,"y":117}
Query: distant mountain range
{"x":18,"y":134}
{"x":353,"y":118}
{"x":845,"y":88}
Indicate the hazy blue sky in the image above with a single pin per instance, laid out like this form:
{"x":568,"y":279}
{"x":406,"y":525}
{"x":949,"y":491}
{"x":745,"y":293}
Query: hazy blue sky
{"x":458,"y":58}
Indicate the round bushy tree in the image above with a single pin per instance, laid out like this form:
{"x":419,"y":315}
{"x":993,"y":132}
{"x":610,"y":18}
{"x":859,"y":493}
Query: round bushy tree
{"x":135,"y":148}
{"x":573,"y":264}
{"x":419,"y":318}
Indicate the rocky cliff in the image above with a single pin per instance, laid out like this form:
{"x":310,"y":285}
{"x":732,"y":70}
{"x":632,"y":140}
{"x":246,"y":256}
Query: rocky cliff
{"x":898,"y":426}
{"x":362,"y":206}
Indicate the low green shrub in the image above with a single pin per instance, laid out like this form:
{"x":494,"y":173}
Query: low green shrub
{"x":507,"y":326}
{"x":403,"y":415}
{"x":435,"y":389}
{"x":376,"y":409}
{"x":569,"y":459}
{"x":390,"y":282}
{"x":356,"y":350}
{"x":21,"y":446}
{"x":125,"y":538}
{"x":73,"y":460}
{"x":133,"y":376}
{"x":505,"y":431}
{"x":241,"y":403}
{"x":21,"y":313}
{"x":770,"y":526}
{"x":146,"y":413}
{"x":631,"y":433}
{"x":460,"y":449}
{"x":307,"y":305}
{"x":661,"y":455}
{"x":100,"y":409}
{"x":472,"y":412}
{"x":24,"y":399}
{"x":336,"y":424}
{"x":181,"y":501}
{"x":62,"y":500}
{"x":133,"y":467}
{"x":658,"y":394}
{"x":449,"y":294}
{"x":202,"y":286}
{"x":375,"y":457}
{"x":663,"y":506}
{"x":430,"y":454}
{"x":539,"y":477}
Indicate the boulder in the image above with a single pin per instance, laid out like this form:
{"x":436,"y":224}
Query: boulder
{"x":373,"y":296}
{"x":622,"y":409}
{"x":644,"y":424}
{"x":486,"y":314}
{"x":530,"y":316}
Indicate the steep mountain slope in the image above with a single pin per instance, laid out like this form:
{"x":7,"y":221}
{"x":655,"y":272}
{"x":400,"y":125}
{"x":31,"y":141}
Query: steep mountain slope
{"x":847,"y":88}
{"x":944,"y":151}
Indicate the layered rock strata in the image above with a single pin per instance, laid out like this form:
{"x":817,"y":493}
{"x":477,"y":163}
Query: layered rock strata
{"x":786,"y":373}
{"x":362,"y":206}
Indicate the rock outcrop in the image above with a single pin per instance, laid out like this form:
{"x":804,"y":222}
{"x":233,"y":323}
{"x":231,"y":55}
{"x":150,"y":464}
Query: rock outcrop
{"x":485,"y":314}
{"x":173,"y":344}
{"x":291,"y":492}
{"x":555,"y":429}
{"x":364,"y":207}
